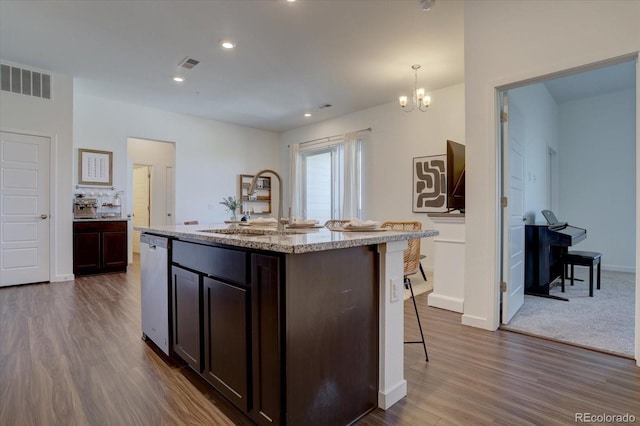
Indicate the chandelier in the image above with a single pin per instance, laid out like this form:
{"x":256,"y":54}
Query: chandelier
{"x":420,"y":100}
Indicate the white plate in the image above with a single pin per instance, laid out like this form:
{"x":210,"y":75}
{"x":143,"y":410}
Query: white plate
{"x":361,"y":226}
{"x":304,"y":225}
{"x":359,"y":229}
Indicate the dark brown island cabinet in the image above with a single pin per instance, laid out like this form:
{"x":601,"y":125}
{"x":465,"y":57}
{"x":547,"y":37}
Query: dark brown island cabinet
{"x":287,"y":338}
{"x":99,"y":246}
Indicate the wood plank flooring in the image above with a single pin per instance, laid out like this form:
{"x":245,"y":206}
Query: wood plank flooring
{"x":71,"y":354}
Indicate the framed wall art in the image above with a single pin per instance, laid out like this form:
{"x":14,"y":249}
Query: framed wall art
{"x":430,"y":184}
{"x":95,"y":167}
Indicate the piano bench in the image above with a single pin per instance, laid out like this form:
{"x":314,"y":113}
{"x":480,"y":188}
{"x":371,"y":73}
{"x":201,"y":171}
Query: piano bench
{"x":582,"y":258}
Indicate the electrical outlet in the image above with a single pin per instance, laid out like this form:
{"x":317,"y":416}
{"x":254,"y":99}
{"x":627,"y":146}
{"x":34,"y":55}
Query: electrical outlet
{"x":396,"y":290}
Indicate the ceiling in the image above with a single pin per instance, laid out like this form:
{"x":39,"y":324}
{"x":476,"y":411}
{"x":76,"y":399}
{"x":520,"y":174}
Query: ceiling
{"x":593,"y":83}
{"x":290,"y":58}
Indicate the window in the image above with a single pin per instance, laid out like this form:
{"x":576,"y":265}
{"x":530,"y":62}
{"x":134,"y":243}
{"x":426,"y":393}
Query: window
{"x":326,"y":179}
{"x":319,"y":189}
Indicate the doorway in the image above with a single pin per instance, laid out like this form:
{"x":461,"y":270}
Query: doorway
{"x":580,"y":163}
{"x":151,"y":171}
{"x":141,"y":201}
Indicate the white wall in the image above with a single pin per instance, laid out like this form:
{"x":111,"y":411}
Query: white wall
{"x":397,"y":138}
{"x":51,"y":118}
{"x":540,"y":113}
{"x":508,"y":42}
{"x":210,"y":155}
{"x":597,"y":174}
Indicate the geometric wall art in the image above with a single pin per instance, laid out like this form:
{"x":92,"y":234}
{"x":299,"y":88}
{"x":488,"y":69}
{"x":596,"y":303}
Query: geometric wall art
{"x":430,"y":184}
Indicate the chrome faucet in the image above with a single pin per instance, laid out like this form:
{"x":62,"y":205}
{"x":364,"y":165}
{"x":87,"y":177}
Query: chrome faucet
{"x":252,"y":189}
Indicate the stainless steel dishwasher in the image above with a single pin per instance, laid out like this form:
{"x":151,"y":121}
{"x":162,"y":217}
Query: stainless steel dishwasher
{"x":154,"y":289}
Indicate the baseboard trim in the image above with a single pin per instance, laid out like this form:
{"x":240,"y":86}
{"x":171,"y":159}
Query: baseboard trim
{"x":390,"y":397}
{"x":615,"y":268}
{"x":449,"y":303}
{"x":61,"y":278}
{"x":477,"y":322}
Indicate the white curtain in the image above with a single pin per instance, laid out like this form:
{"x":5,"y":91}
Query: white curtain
{"x":351,"y":189}
{"x":346,"y":175}
{"x":295,"y":189}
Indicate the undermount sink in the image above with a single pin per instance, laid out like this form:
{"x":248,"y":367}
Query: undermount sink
{"x":248,"y":232}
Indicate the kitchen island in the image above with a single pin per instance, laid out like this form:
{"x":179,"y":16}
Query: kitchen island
{"x":301,"y":328}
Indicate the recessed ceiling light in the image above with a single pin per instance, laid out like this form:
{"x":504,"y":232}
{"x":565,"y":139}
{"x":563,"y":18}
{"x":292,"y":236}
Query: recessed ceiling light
{"x":291,"y":1}
{"x":178,"y":79}
{"x":427,"y":4}
{"x":307,"y":114}
{"x":227,"y":44}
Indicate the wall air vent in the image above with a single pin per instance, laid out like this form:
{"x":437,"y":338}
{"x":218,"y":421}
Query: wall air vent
{"x":25,"y":82}
{"x":189,"y":63}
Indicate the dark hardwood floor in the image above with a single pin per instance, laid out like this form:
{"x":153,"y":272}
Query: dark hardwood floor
{"x":71,"y":354}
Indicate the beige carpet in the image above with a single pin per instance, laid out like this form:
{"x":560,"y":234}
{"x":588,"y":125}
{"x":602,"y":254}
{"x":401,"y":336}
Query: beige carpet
{"x":604,"y":322}
{"x":419,"y":284}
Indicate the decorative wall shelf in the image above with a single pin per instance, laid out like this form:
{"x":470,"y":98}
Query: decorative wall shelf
{"x":260,"y":201}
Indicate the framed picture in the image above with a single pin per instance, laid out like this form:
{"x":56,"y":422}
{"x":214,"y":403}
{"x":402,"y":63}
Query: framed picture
{"x":430,"y":184}
{"x":95,"y":167}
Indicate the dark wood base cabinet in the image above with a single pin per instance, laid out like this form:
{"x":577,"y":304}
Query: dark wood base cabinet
{"x":226,"y":340}
{"x":99,"y":247}
{"x":289,"y":339}
{"x":187,"y":316}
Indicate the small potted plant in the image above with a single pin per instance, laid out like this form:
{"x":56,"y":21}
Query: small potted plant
{"x":116,"y":198}
{"x":232,"y":204}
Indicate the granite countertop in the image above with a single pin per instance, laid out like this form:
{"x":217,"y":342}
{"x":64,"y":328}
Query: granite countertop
{"x":301,"y":240}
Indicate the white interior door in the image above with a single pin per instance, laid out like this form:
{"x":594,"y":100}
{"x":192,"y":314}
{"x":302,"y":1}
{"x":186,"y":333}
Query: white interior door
{"x":141,"y":201}
{"x":171,"y":195}
{"x":513,"y":213}
{"x":24,"y":208}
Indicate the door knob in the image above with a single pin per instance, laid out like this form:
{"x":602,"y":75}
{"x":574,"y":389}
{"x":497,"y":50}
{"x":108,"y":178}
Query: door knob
{"x":43,"y":216}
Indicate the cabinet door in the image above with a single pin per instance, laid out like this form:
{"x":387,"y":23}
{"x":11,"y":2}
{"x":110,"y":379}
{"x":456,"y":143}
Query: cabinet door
{"x":114,"y":249}
{"x":186,"y":291}
{"x":266,"y":339}
{"x":86,"y":252}
{"x":225,"y":340}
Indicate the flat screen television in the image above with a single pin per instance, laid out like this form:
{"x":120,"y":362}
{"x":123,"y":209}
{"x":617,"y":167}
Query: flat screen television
{"x":455,"y":176}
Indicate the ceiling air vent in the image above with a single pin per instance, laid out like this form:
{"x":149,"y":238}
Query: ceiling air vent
{"x":25,"y":82}
{"x":189,"y":63}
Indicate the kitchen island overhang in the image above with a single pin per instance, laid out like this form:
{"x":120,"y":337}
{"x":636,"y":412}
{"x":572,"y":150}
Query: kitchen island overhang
{"x":388,"y":247}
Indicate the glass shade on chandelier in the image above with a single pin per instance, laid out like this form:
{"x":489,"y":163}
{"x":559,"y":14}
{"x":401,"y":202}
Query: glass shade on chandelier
{"x":420,"y":100}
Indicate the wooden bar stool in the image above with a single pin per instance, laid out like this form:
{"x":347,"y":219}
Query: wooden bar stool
{"x":582,"y":258}
{"x":411,"y":265}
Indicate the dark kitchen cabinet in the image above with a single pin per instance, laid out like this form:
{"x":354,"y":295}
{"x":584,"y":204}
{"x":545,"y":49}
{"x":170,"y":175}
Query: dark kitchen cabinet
{"x":226,"y":339}
{"x":186,"y":293}
{"x":272,"y":337}
{"x":266,"y":340}
{"x":99,"y":247}
{"x":240,"y":331}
